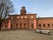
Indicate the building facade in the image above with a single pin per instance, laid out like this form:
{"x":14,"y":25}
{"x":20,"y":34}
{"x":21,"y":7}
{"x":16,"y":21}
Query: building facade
{"x":27,"y":21}
{"x":22,"y":21}
{"x":45,"y":23}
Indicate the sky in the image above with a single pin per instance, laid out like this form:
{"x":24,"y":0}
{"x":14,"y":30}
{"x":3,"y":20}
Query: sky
{"x":43,"y":8}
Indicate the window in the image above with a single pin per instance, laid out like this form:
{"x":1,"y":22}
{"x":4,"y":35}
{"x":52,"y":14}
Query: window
{"x":39,"y":25}
{"x":32,"y":25}
{"x":25,"y":16}
{"x":5,"y":26}
{"x":21,"y":16}
{"x":16,"y":24}
{"x":11,"y":26}
{"x":43,"y":25}
{"x":52,"y":25}
{"x":31,"y":16}
{"x":25,"y":24}
{"x":48,"y":25}
{"x":18,"y":17}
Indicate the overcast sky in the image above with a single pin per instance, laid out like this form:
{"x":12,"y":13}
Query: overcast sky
{"x":43,"y":8}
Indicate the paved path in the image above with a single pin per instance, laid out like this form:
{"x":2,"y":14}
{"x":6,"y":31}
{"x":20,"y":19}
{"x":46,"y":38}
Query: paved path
{"x":23,"y":35}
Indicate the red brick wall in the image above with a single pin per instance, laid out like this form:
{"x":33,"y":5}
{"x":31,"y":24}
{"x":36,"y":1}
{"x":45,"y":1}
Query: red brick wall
{"x":46,"y":22}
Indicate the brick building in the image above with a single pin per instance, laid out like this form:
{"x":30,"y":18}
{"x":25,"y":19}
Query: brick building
{"x":45,"y":23}
{"x":22,"y":21}
{"x":27,"y":21}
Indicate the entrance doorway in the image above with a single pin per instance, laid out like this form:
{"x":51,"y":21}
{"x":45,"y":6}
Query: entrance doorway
{"x":16,"y":26}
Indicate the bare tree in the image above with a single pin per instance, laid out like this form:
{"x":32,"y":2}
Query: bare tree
{"x":6,"y":7}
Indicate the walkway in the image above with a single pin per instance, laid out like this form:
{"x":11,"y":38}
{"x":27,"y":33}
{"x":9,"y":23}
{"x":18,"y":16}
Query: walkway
{"x":23,"y":35}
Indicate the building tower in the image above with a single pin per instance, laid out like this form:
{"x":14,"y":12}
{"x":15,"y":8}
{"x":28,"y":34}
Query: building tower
{"x":23,"y":11}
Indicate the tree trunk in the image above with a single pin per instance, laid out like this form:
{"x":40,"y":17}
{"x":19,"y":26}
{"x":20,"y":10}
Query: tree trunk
{"x":0,"y":25}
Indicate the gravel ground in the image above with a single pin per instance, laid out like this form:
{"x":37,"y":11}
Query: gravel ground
{"x":23,"y":35}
